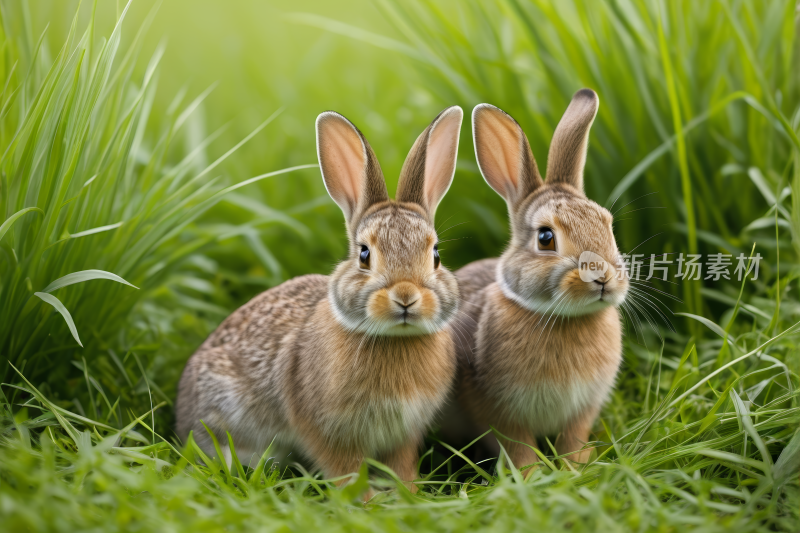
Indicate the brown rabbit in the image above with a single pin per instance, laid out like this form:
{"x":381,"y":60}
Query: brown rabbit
{"x":356,"y":364}
{"x":546,"y":335}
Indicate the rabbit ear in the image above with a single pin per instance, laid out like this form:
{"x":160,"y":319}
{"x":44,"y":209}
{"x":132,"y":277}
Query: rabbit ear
{"x":429,"y":167}
{"x":504,"y":155}
{"x":349,"y":167}
{"x":567,"y":155}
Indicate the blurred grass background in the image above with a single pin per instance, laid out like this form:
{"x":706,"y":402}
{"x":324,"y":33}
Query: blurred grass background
{"x":695,"y":145}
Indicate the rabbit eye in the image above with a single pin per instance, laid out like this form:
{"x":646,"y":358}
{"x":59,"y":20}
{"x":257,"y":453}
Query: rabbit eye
{"x":436,"y":260}
{"x":363,"y":257}
{"x":547,"y":240}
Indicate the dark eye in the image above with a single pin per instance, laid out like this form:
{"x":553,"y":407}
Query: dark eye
{"x":363,"y":257}
{"x":547,"y":241}
{"x":436,"y":260}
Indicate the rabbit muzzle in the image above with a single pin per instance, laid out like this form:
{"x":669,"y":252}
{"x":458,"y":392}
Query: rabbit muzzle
{"x":403,"y":308}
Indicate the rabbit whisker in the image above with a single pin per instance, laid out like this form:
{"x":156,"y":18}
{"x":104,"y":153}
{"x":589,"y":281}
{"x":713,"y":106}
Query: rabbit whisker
{"x":553,"y":307}
{"x":649,"y":285}
{"x":451,"y":227}
{"x":544,"y":313}
{"x":630,"y":319}
{"x":640,"y":294}
{"x":629,"y":203}
{"x":372,"y":328}
{"x":635,"y":322}
{"x":442,"y":223}
{"x":649,"y":291}
{"x":377,"y":340}
{"x":640,"y":209}
{"x":472,"y":303}
{"x":555,"y":316}
{"x":646,"y":314}
{"x":565,"y":305}
{"x":461,"y":335}
{"x":644,"y":241}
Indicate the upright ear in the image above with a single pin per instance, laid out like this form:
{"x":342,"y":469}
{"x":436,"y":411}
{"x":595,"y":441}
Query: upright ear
{"x":504,"y":155}
{"x":349,"y":167}
{"x":429,"y":167}
{"x":567,"y":155}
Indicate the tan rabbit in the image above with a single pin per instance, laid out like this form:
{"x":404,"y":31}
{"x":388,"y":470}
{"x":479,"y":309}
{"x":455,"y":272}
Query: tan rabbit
{"x":546,"y":335}
{"x":356,"y":364}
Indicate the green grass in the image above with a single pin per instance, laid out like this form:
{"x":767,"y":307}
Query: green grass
{"x":110,"y":161}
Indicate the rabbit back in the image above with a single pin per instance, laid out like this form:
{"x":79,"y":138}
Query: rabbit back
{"x":458,"y":428}
{"x":235,"y":381}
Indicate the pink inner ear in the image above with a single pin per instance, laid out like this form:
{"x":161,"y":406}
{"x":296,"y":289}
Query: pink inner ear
{"x":498,"y":149}
{"x":341,"y":155}
{"x":440,"y":156}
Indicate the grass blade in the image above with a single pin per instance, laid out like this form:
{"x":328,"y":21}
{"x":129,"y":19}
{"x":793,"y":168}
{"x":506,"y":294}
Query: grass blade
{"x":56,"y":303}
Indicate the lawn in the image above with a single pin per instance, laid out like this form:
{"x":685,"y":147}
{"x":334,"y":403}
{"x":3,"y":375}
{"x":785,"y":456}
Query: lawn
{"x":157,"y":170}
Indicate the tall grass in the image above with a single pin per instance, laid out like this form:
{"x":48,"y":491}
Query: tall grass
{"x":698,"y":114}
{"x":96,"y":207}
{"x":698,"y":106}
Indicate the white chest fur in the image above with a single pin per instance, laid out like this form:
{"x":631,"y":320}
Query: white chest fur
{"x":378,"y":426}
{"x":546,"y":408}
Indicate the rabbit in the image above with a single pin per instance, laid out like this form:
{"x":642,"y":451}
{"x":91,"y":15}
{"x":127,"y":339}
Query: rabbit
{"x":357,"y":364}
{"x":545,"y":345}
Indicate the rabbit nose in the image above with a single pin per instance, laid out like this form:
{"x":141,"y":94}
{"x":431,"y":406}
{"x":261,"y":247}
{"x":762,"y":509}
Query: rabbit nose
{"x":405,"y":294}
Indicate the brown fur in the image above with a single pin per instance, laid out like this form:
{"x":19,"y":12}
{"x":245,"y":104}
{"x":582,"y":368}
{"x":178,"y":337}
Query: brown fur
{"x":353,"y":365}
{"x":567,"y":155}
{"x":544,"y":345}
